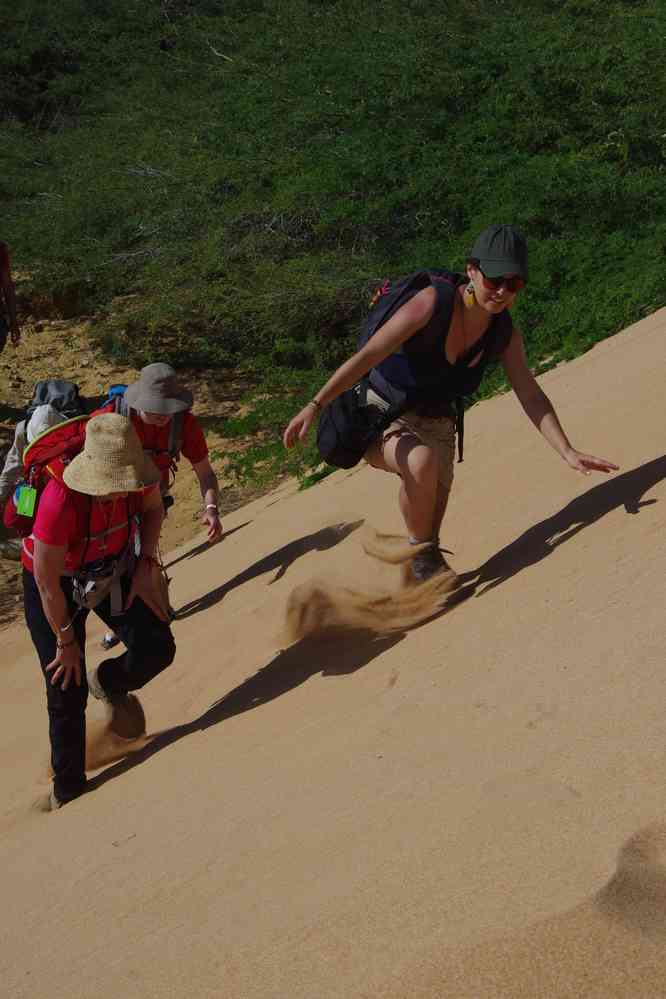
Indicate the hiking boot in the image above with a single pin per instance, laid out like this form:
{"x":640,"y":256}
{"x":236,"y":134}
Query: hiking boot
{"x":49,"y":802}
{"x":127,"y":720}
{"x":125,"y":714}
{"x":95,"y":687}
{"x":109,"y":641}
{"x":428,"y":563}
{"x":53,"y":802}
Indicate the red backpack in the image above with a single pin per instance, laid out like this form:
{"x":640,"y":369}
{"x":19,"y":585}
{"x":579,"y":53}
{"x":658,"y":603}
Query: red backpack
{"x":46,"y":458}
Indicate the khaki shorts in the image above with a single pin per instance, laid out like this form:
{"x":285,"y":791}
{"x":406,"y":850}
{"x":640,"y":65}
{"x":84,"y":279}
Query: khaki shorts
{"x":439,"y":434}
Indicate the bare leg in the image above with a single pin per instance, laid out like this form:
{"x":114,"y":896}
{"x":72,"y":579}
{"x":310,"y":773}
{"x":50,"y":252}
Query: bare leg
{"x":440,"y":508}
{"x":416,"y":464}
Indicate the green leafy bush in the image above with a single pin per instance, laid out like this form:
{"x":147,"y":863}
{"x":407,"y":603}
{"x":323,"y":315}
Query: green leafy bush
{"x":223,"y":183}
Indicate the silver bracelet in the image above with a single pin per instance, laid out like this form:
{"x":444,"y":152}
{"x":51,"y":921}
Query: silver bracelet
{"x":212,"y":506}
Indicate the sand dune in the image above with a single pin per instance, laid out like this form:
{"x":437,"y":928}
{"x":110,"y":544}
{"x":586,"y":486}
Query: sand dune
{"x":359,"y":805}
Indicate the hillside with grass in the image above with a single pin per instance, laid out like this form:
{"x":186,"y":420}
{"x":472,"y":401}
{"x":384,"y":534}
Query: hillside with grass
{"x":222,"y":184}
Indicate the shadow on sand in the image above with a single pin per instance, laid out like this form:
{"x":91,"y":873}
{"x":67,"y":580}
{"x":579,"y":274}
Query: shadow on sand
{"x":330,"y":655}
{"x":279,"y":560}
{"x":205,"y":546}
{"x":346,"y":652}
{"x":541,"y":540}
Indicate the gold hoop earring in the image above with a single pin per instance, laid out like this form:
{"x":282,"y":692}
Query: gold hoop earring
{"x":469,"y":298}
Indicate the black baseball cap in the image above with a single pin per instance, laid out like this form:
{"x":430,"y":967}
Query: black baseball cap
{"x":501,"y":249}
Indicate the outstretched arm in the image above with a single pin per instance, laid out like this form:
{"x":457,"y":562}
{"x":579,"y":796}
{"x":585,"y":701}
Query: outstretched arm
{"x":413,"y":316}
{"x":210,"y":493}
{"x":540,"y":410}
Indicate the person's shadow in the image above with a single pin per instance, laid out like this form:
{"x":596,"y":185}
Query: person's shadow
{"x":541,"y":540}
{"x":279,"y":560}
{"x":205,"y":546}
{"x":344,"y":653}
{"x":332,"y":654}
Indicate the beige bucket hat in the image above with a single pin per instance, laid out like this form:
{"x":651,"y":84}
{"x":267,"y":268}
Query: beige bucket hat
{"x":158,"y":391}
{"x":112,"y":460}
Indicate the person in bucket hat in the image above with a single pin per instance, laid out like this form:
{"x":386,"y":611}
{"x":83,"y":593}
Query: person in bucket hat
{"x":159,"y":407}
{"x":158,"y":390}
{"x":81,"y":556}
{"x":423,"y":358}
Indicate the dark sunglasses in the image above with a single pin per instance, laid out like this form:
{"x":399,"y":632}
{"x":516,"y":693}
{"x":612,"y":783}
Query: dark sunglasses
{"x":511,"y":284}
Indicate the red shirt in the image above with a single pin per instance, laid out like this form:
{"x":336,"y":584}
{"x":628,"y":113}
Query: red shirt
{"x":66,"y":519}
{"x":156,"y":439}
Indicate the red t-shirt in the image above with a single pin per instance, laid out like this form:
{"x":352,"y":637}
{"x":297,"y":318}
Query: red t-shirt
{"x":156,"y":439}
{"x":65,"y":519}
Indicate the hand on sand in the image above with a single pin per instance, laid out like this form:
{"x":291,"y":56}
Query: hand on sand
{"x":587,"y":463}
{"x":67,"y":664}
{"x":146,"y":585}
{"x":299,"y":426}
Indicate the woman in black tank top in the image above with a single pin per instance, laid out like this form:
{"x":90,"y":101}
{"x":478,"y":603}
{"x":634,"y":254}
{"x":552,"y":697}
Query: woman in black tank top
{"x":432,"y":367}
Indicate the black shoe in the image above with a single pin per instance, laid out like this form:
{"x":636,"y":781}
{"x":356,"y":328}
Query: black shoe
{"x":428,"y":563}
{"x":126,"y":717}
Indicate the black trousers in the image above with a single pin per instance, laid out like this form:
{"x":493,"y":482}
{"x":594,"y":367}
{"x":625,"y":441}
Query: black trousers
{"x":150,"y":648}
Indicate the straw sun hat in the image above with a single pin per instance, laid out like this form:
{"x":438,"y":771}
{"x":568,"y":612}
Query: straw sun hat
{"x":112,"y":460}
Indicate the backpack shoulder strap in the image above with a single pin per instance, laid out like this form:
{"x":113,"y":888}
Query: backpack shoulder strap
{"x":445,"y":284}
{"x":176,"y":434}
{"x":388,"y":299}
{"x":120,"y":405}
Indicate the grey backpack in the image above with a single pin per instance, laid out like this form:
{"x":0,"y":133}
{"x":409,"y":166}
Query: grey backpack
{"x":62,"y":395}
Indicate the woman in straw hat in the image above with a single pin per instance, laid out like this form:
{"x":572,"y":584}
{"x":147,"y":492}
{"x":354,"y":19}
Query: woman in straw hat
{"x":80,"y":556}
{"x":432,"y":349}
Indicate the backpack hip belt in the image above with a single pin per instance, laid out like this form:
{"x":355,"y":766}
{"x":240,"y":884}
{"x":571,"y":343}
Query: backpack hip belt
{"x":92,"y":585}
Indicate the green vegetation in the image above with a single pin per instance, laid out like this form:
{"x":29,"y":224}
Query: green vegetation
{"x":222,"y":183}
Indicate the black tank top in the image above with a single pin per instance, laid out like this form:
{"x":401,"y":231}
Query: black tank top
{"x":420,"y":373}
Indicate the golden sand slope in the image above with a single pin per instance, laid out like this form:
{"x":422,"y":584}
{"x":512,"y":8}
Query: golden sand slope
{"x":381,"y":809}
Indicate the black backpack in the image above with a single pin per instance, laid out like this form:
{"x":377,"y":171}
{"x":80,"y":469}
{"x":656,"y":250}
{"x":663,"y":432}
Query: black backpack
{"x":391,"y":296}
{"x":62,"y":395}
{"x":349,"y":424}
